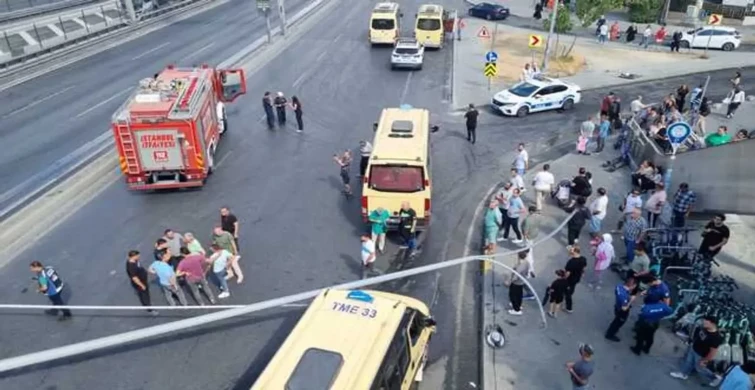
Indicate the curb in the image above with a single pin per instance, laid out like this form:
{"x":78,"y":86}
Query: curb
{"x":554,"y":147}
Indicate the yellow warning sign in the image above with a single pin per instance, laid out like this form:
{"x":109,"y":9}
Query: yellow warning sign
{"x":715,"y":19}
{"x":491,"y":70}
{"x":535,"y":41}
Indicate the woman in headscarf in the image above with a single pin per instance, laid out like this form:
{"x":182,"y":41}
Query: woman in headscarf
{"x":603,"y":257}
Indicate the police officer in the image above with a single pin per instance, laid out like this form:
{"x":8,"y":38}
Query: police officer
{"x":621,"y":308}
{"x":50,"y":285}
{"x":267,"y":104}
{"x":649,"y":319}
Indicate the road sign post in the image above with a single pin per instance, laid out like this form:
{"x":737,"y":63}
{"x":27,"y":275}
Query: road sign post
{"x":554,"y":15}
{"x":713,"y":20}
{"x":677,"y":134}
{"x":263,"y":6}
{"x":534,"y":41}
{"x":282,"y":17}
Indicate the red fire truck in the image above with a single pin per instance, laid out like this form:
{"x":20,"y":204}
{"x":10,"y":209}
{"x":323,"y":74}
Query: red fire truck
{"x":168,"y":129}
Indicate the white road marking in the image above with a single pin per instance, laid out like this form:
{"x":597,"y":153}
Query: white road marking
{"x":201,"y":49}
{"x":306,"y":74}
{"x":150,"y":51}
{"x":222,"y":159}
{"x":338,"y":38}
{"x":406,"y":87}
{"x":94,"y":107}
{"x":30,"y":105}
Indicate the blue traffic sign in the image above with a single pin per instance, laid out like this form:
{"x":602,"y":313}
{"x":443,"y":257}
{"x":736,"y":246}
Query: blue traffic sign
{"x":678,"y":133}
{"x":491,"y":56}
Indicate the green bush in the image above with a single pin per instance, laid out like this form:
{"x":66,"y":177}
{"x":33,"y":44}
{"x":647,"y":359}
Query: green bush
{"x":644,"y":11}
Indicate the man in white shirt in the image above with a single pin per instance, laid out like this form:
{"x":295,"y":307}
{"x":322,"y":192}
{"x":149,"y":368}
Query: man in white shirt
{"x":646,"y":37}
{"x":631,"y":202}
{"x":636,"y":105}
{"x":522,"y":160}
{"x":517,"y":181}
{"x":368,"y":252}
{"x":222,"y":121}
{"x":603,"y":33}
{"x":543,"y":184}
{"x":598,"y":209}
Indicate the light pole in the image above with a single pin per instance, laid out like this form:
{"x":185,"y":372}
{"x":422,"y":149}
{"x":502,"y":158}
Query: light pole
{"x":554,"y":14}
{"x":282,"y":16}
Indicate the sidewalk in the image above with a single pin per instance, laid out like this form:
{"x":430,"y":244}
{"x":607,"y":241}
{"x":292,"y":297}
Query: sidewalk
{"x":603,"y":63}
{"x":533,"y":358}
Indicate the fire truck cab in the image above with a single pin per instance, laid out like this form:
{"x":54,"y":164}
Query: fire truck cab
{"x":167,"y":131}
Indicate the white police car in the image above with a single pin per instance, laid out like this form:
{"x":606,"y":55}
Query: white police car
{"x":537,"y":94}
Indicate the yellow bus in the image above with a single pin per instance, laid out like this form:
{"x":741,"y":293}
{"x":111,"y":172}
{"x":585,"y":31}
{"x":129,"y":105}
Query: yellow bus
{"x":353,"y":340}
{"x":428,"y":29}
{"x":399,"y":167}
{"x":385,"y":23}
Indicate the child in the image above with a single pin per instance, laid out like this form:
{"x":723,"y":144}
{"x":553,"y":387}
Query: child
{"x":604,"y":255}
{"x":557,"y":291}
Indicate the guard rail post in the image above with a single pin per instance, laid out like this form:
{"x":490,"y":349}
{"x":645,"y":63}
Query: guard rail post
{"x":102,"y":11}
{"x":84,"y":19}
{"x":63,"y":28}
{"x":7,"y":41}
{"x":36,"y":32}
{"x":665,"y":272}
{"x":130,"y":9}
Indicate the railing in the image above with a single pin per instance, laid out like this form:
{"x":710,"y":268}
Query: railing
{"x":21,"y":44}
{"x":21,"y":9}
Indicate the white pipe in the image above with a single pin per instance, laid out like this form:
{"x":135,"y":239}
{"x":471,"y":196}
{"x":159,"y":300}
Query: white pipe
{"x":120,"y":308}
{"x":106,"y":342}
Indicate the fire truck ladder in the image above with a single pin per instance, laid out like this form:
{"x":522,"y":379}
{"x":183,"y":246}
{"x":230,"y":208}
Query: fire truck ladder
{"x":129,"y":150}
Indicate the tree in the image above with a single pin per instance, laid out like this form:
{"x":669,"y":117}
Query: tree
{"x":589,"y":11}
{"x":644,"y":11}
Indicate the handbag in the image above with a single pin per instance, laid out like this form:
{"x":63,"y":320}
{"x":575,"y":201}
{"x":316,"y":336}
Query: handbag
{"x":727,"y":99}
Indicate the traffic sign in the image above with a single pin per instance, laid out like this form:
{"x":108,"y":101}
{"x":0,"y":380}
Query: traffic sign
{"x":677,"y":133}
{"x":491,"y":56}
{"x":491,"y":70}
{"x":715,"y":19}
{"x":535,"y":41}
{"x":263,"y":4}
{"x":483,"y":32}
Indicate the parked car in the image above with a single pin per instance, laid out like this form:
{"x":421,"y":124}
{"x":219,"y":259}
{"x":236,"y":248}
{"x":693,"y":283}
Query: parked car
{"x":489,"y":11}
{"x":724,"y":38}
{"x":537,"y":94}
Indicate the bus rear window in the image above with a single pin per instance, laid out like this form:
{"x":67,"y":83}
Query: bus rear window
{"x":383,"y":24}
{"x":393,"y":178}
{"x":428,"y":24}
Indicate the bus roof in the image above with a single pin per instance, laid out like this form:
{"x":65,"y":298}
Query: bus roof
{"x":430,"y":9}
{"x":402,"y":134}
{"x":385,"y":8}
{"x":339,"y":342}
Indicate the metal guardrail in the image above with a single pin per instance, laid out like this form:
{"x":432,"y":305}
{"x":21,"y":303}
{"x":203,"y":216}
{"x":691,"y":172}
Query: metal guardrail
{"x":15,"y":13}
{"x":90,"y":31}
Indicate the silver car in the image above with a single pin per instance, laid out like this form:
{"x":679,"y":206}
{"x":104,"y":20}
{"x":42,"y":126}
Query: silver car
{"x":407,"y":53}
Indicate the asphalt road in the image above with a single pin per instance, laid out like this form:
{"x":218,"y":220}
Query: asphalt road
{"x":47,"y":118}
{"x":297,"y":231}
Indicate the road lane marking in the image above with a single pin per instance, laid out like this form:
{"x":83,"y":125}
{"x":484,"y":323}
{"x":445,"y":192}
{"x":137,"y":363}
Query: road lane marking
{"x":196,"y":52}
{"x":222,"y":159}
{"x":100,"y":104}
{"x":150,"y":51}
{"x":338,"y":38}
{"x":304,"y":75}
{"x":406,"y":88}
{"x":30,"y":105}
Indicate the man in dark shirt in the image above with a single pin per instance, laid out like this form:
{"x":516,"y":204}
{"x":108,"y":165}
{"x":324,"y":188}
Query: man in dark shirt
{"x":267,"y":105}
{"x":574,"y":268}
{"x":137,"y":275}
{"x":230,"y":224}
{"x":648,"y":321}
{"x":471,"y":117}
{"x":705,"y":343}
{"x":160,"y":245}
{"x":580,"y":185}
{"x":715,"y":236}
{"x":407,"y":226}
{"x":574,"y":227}
{"x":280,"y":108}
{"x":657,"y":291}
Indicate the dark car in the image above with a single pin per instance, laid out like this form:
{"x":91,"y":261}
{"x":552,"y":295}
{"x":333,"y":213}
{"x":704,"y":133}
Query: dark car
{"x":489,"y":11}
